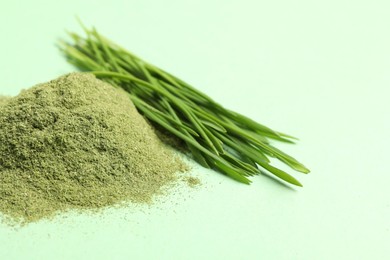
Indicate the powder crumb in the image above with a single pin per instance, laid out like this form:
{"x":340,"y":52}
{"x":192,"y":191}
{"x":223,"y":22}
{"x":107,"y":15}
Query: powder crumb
{"x":77,"y":143}
{"x":193,"y":181}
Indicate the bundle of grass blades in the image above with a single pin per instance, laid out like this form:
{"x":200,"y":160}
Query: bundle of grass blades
{"x":217,"y":137}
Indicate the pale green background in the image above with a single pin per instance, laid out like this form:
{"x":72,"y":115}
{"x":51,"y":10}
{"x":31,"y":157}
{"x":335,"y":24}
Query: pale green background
{"x":315,"y":69}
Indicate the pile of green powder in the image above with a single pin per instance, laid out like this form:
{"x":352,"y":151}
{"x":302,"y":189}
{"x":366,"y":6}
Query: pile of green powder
{"x":77,"y":143}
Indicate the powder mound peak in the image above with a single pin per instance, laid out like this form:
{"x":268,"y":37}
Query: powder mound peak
{"x":74,"y":143}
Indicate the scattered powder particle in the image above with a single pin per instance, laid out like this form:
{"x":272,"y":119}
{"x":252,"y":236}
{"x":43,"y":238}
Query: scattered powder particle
{"x":77,"y":143}
{"x":193,"y":181}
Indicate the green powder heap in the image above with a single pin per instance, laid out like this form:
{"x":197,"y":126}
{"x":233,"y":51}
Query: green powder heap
{"x":77,"y":143}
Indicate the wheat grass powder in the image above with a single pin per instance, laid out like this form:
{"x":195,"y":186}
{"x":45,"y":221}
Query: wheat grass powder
{"x":77,"y":143}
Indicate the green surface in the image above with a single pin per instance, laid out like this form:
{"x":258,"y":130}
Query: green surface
{"x":315,"y":69}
